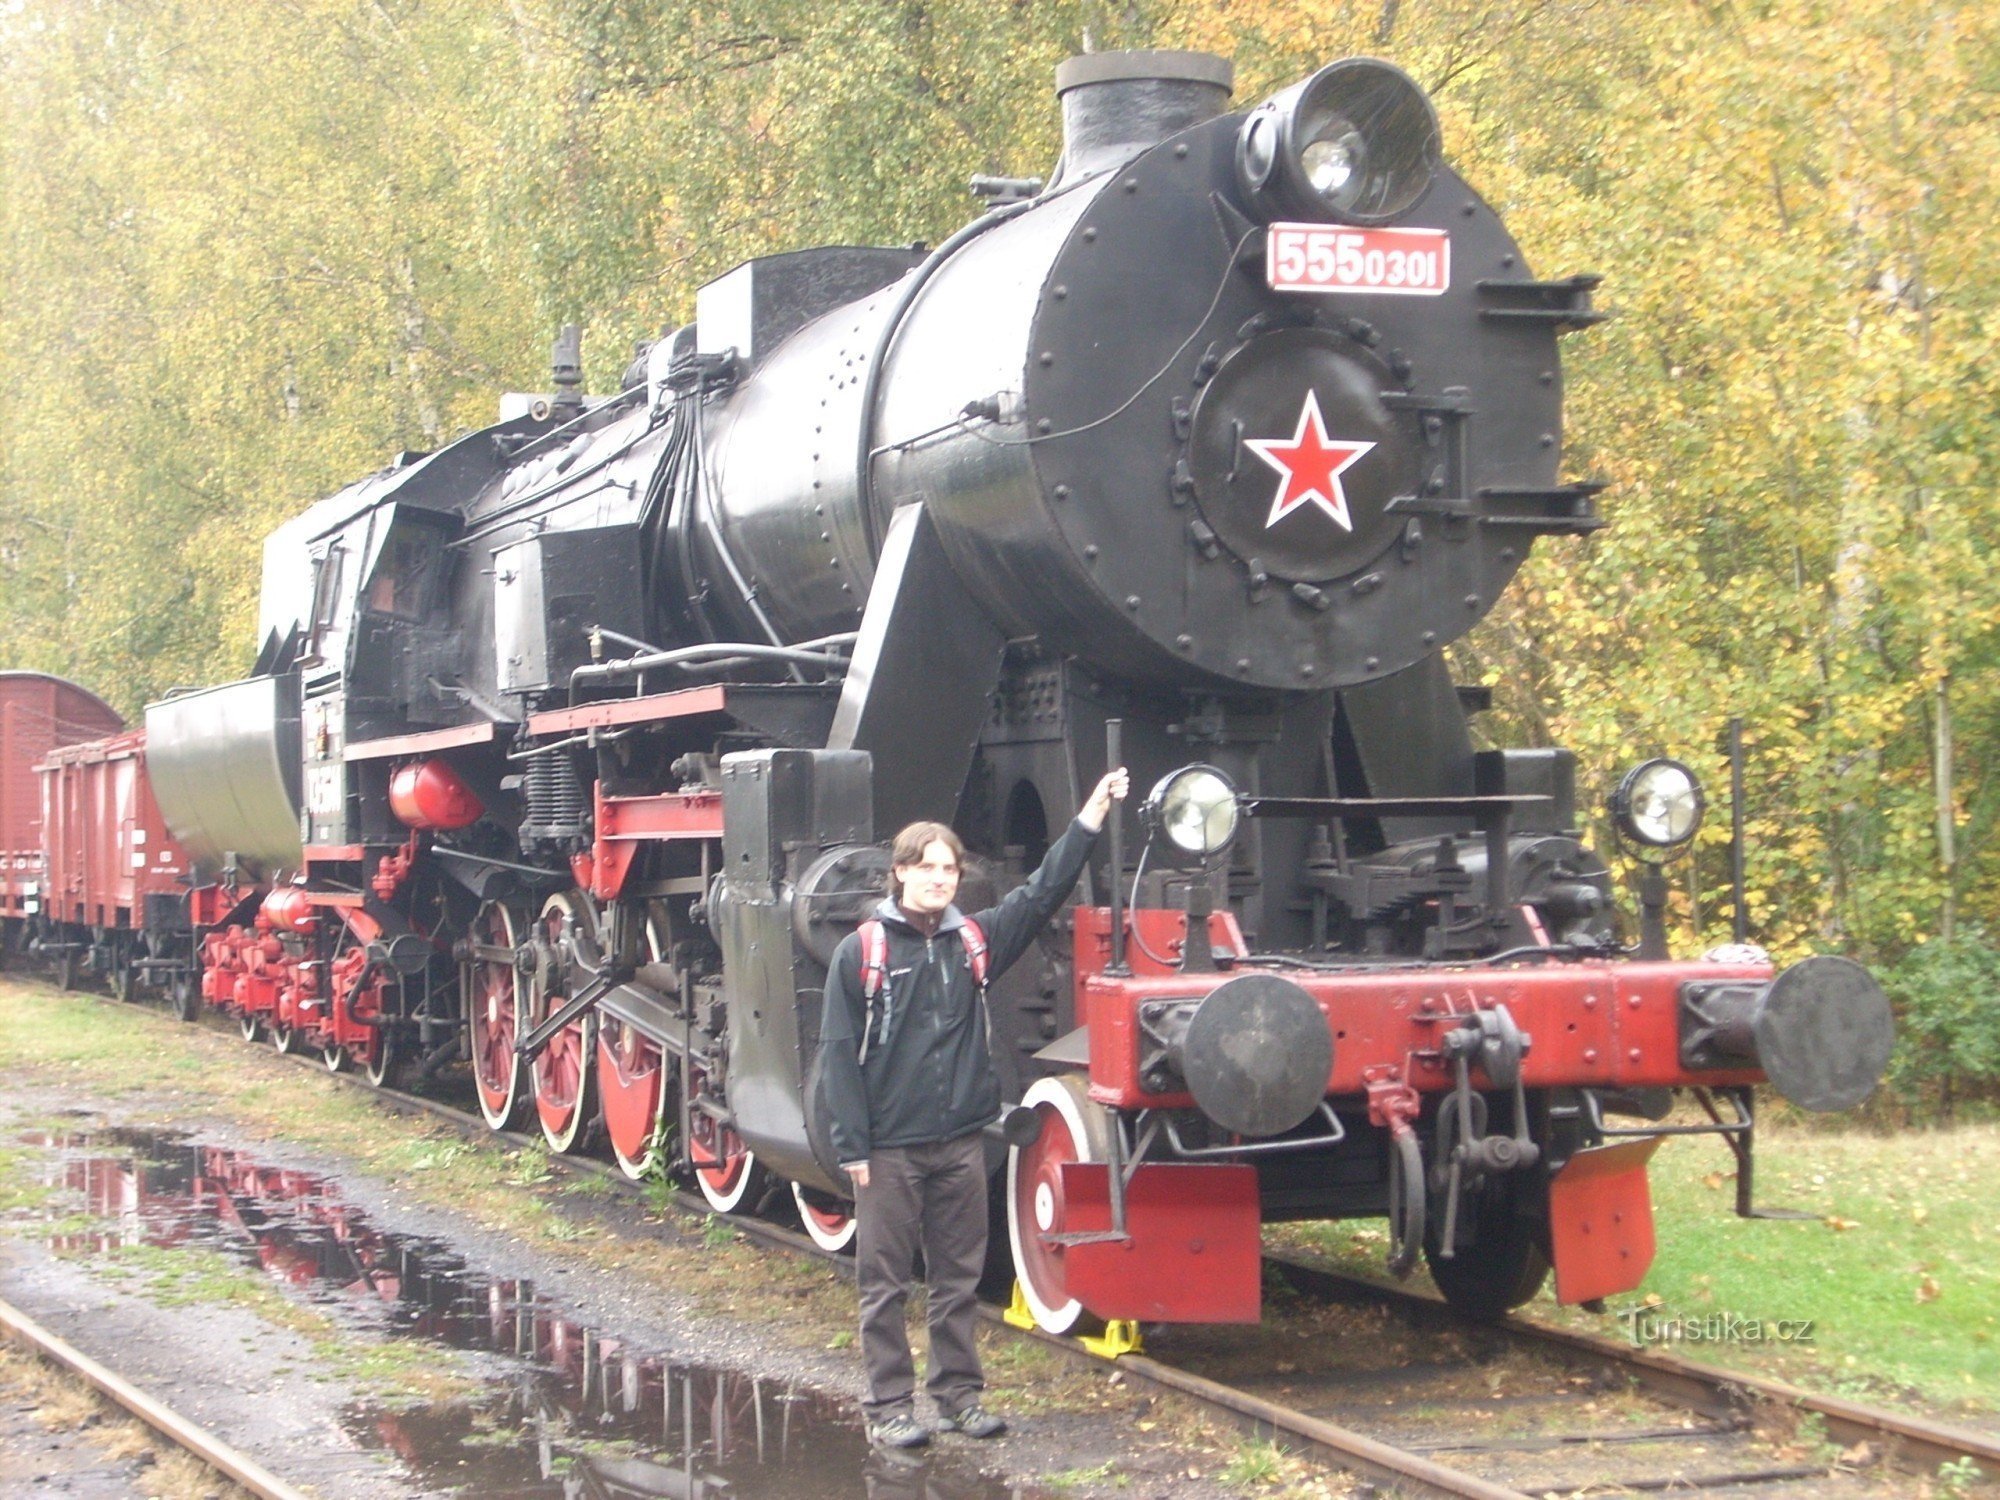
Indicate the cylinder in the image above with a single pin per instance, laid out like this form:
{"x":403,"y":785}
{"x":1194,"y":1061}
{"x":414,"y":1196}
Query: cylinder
{"x":430,"y":795}
{"x":289,"y":909}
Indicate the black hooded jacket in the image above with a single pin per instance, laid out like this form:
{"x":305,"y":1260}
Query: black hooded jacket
{"x":928,"y":1070}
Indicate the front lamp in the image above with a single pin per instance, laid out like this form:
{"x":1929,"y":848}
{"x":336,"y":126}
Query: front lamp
{"x":1194,"y":809}
{"x":1357,"y":142}
{"x":1658,"y":804}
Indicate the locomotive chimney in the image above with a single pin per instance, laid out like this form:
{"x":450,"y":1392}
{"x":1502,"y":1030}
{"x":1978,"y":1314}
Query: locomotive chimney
{"x":566,"y":367}
{"x":1116,"y":104}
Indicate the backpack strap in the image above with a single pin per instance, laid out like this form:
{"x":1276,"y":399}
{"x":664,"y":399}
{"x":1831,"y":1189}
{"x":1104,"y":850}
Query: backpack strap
{"x":975,"y":950}
{"x":874,"y":973}
{"x":874,"y":957}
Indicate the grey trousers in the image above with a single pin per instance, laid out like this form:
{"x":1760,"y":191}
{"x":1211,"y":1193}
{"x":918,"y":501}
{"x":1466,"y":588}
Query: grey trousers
{"x":933,"y":1196}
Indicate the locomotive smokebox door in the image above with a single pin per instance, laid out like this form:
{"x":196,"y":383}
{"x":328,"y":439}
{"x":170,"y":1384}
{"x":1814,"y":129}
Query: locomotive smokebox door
{"x":1295,"y":456}
{"x":781,"y":809}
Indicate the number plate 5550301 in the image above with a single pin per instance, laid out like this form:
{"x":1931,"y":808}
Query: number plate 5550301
{"x":1335,"y":258}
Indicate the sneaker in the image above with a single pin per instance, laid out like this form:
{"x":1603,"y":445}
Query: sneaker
{"x":973,"y":1421}
{"x":899,"y":1431}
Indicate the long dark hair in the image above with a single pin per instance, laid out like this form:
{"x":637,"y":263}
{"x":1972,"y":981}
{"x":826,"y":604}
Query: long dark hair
{"x":909,"y":847}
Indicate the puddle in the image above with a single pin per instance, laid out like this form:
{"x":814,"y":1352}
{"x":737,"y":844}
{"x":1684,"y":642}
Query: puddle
{"x":572,"y":1411}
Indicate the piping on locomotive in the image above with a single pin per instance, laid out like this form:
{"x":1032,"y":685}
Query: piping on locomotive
{"x":571,"y":746}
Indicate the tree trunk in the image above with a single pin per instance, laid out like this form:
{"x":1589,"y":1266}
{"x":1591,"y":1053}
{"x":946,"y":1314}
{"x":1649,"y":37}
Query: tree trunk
{"x":1947,"y":823}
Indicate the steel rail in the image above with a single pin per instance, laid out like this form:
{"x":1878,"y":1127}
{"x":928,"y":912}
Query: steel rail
{"x":1351,"y":1450}
{"x":169,"y":1423}
{"x":1917,"y":1441}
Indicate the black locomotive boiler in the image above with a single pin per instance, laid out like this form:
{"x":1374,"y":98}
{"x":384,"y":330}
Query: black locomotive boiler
{"x":571,"y":747}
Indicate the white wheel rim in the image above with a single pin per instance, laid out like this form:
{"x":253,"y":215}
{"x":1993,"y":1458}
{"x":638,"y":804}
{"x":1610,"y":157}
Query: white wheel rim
{"x":727,"y":1203}
{"x":1059,"y":1098}
{"x":580,"y":926}
{"x":832,"y":1242}
{"x":503,"y":1117}
{"x":638,"y":1167}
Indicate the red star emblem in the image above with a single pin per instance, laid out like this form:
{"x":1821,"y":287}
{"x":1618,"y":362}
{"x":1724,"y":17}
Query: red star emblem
{"x":1311,"y":466}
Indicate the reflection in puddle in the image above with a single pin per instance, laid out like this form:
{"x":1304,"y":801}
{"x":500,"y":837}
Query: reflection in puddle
{"x":573,"y":1413}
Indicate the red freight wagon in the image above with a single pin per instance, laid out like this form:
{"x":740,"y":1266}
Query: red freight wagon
{"x":38,"y":713}
{"x":109,"y":853}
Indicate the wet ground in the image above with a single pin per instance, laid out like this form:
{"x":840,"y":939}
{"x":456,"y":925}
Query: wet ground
{"x":539,"y":1403}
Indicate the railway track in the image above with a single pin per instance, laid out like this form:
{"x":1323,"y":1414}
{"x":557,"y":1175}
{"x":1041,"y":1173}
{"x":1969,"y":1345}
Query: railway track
{"x":1688,"y":1429}
{"x":1515,"y":1409}
{"x":1424,"y":1403}
{"x":187,"y":1435}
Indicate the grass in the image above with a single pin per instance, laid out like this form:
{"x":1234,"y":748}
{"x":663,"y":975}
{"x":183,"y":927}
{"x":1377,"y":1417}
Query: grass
{"x":77,"y":1043}
{"x":19,"y":1188}
{"x":1076,"y":1479}
{"x":1895,"y":1268}
{"x":63,"y":1403}
{"x":183,"y":1275}
{"x":1256,"y":1462}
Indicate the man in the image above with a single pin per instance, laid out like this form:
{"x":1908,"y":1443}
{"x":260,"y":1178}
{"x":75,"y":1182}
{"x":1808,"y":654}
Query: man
{"x":907,"y":1081}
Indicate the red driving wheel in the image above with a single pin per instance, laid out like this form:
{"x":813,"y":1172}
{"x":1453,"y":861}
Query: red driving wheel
{"x":1073,"y":1130}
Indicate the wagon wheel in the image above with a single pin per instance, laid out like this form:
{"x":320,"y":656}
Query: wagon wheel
{"x":1499,"y":1270}
{"x":124,"y":979}
{"x":382,"y":1054}
{"x":1498,"y":1261}
{"x":335,"y":1056}
{"x":1073,"y":1129}
{"x":287,"y":1039}
{"x":632,"y":1075}
{"x":565,"y":1083}
{"x":251,"y":1026}
{"x":828,"y":1221}
{"x":185,"y":996}
{"x":725,"y":1169}
{"x":383,"y":1067}
{"x":494,"y":1019}
{"x":66,"y":969}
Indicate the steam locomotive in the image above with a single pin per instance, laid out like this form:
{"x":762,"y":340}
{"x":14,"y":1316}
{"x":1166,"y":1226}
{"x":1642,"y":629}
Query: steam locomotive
{"x":571,"y":748}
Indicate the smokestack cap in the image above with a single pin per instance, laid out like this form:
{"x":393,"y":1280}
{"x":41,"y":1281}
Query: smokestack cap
{"x":1162,"y":66}
{"x":1119,"y":104}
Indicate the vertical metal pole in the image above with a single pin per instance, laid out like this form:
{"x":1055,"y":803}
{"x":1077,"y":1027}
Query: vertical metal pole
{"x":1736,"y":828}
{"x":1746,"y":1155}
{"x":1652,"y":910}
{"x":1114,"y":752}
{"x":1499,"y":898}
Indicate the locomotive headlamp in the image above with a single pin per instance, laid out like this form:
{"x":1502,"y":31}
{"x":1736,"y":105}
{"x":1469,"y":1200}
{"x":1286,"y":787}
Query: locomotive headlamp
{"x":1194,"y":808}
{"x":1659,"y":804}
{"x":1357,"y":142}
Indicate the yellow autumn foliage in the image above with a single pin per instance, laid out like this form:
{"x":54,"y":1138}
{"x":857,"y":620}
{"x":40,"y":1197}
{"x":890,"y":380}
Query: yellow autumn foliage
{"x":251,"y":254}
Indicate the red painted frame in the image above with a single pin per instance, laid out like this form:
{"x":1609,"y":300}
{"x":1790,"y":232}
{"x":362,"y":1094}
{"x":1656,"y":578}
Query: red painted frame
{"x":624,"y":823}
{"x":1604,"y":1024}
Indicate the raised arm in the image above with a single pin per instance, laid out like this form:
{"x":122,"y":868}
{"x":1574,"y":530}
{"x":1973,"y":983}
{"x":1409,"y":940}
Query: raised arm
{"x":1022,"y":913}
